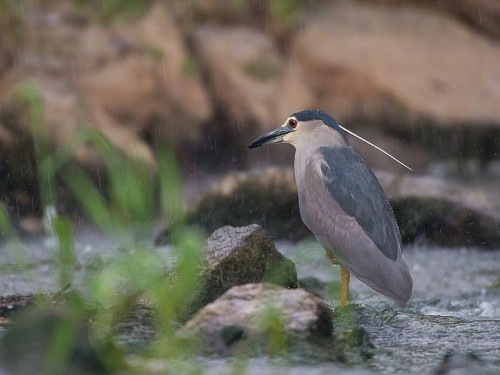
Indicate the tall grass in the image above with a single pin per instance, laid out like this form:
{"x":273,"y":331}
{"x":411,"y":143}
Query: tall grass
{"x":134,"y":199}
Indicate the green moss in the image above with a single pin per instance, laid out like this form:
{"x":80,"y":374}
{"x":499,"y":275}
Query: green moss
{"x":273,"y":327}
{"x":256,"y":261}
{"x":351,"y":340}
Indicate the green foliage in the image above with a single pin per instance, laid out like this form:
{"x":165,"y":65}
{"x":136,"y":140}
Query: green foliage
{"x":30,"y":96}
{"x":63,"y":337}
{"x":132,"y":200}
{"x":66,"y":251}
{"x":273,"y":326}
{"x":129,"y":202}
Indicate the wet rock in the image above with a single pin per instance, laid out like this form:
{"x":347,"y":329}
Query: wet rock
{"x":455,"y":363}
{"x":106,"y":89}
{"x":381,"y":71}
{"x":487,"y":20}
{"x":10,"y":19}
{"x":203,"y":11}
{"x":326,"y":290}
{"x":442,"y":80}
{"x":100,"y":45}
{"x":13,"y":304}
{"x":138,"y":329}
{"x":184,"y":98}
{"x":253,"y":85}
{"x":443,"y":212}
{"x":416,"y":343}
{"x":163,"y":95}
{"x":236,"y":256}
{"x":352,"y":341}
{"x":279,"y":20}
{"x":260,"y":318}
{"x":482,"y":15}
{"x":125,"y":140}
{"x":268,"y":198}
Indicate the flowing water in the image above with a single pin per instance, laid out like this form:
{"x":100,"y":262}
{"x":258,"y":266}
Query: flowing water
{"x":455,"y":305}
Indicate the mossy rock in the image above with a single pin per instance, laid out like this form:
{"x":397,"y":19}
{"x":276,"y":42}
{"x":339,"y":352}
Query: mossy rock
{"x":274,"y":206}
{"x":444,"y":212}
{"x":237,"y":256}
{"x":444,"y":223}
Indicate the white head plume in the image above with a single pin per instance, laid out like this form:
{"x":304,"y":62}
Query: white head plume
{"x":378,"y":148}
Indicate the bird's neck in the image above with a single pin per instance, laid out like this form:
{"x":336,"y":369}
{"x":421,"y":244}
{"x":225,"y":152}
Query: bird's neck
{"x":307,"y":150}
{"x":322,"y":136}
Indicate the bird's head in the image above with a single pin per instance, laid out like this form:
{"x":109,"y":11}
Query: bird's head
{"x":312,"y":127}
{"x":300,"y":126}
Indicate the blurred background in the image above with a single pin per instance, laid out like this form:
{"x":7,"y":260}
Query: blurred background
{"x":123,"y":113}
{"x":420,"y":79}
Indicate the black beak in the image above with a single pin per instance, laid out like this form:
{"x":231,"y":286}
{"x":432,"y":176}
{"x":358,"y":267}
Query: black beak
{"x":275,"y":136}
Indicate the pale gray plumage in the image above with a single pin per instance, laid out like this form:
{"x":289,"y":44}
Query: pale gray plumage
{"x":343,"y":204}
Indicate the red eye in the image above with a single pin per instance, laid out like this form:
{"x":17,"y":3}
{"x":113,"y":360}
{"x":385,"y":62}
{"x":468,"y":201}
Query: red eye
{"x":292,"y":123}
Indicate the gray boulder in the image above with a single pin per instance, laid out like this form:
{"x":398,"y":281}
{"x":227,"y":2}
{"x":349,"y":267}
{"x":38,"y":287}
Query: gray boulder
{"x":443,"y":211}
{"x":236,"y":256}
{"x":256,"y":318}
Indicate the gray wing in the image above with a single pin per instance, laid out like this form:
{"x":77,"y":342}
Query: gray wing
{"x":353,"y":185}
{"x":357,"y":226}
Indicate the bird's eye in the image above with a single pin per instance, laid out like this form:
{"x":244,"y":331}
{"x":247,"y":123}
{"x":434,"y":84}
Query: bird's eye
{"x":292,"y":123}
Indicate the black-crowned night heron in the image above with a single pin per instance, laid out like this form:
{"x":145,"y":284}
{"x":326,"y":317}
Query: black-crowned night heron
{"x":343,"y":204}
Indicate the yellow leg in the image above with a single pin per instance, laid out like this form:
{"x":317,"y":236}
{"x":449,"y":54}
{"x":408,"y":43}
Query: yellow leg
{"x":331,"y":259}
{"x":344,"y":291}
{"x":345,"y":276}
